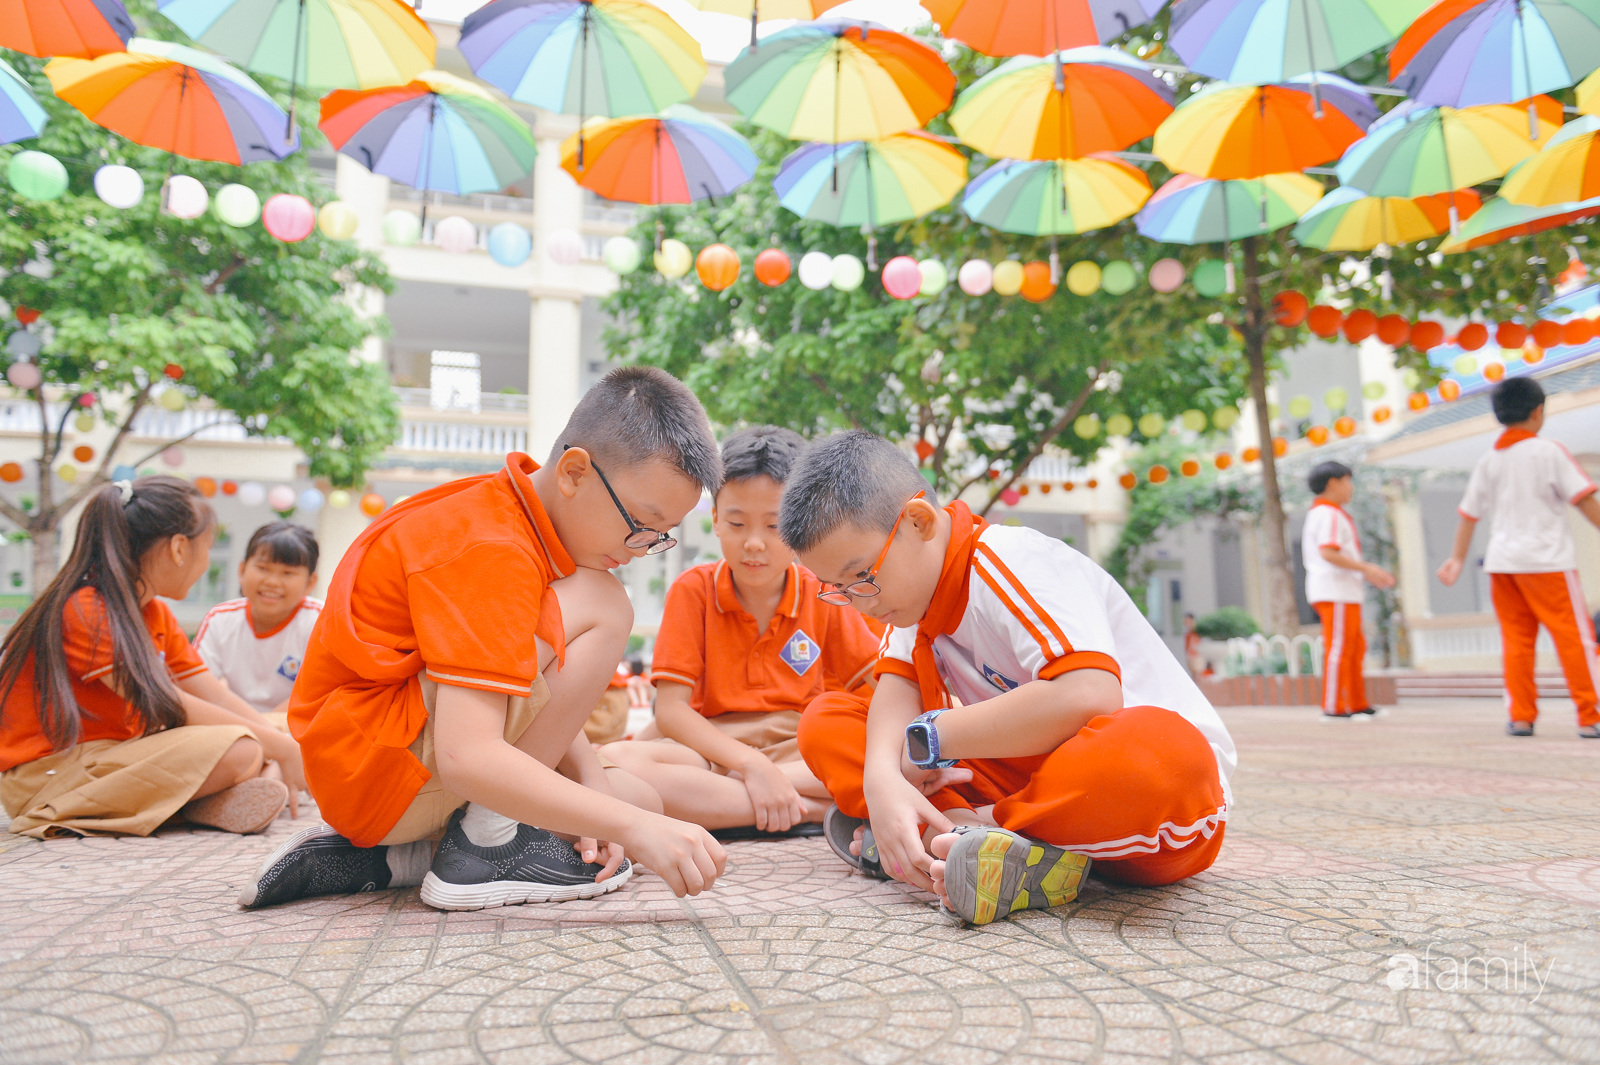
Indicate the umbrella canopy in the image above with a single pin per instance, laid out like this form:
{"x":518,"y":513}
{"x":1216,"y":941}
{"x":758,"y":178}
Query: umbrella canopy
{"x":21,"y":116}
{"x":1349,"y":220}
{"x":679,"y":157}
{"x":1566,"y":170}
{"x":177,"y":99}
{"x":1038,"y":27}
{"x":871,"y":183}
{"x":1588,"y":94}
{"x":1055,"y":196}
{"x":1466,"y":52}
{"x":81,"y":29}
{"x":1247,"y":131}
{"x":1416,"y":150}
{"x":438,"y":132}
{"x":762,"y":10}
{"x":1193,"y":210}
{"x":1064,"y":106}
{"x":1275,"y":40}
{"x":839,"y":80}
{"x":1501,"y":220}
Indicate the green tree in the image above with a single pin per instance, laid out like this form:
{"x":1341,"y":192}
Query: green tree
{"x":263,"y":329}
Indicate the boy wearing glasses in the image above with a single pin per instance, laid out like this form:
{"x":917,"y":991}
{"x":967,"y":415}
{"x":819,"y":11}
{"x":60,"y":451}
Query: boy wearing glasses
{"x":1077,"y":736}
{"x":744,"y":646}
{"x":467,"y":634}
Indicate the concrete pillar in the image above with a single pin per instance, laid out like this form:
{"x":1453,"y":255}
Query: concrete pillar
{"x":337,"y":529}
{"x":553,"y":365}
{"x":1414,"y":579}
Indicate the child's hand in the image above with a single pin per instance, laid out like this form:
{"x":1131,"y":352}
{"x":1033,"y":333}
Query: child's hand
{"x":594,"y":851}
{"x":1380,"y":577}
{"x":1450,"y":571}
{"x":778,"y":805}
{"x":899,"y":811}
{"x":284,"y":751}
{"x":683,"y":855}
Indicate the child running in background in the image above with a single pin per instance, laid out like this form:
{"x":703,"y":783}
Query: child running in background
{"x":109,"y":722}
{"x":1078,"y":734}
{"x":744,"y":647}
{"x":256,"y":643}
{"x":1527,"y":484}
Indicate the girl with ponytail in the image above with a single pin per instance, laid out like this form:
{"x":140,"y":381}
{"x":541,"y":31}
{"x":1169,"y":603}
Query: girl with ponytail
{"x":109,"y":722}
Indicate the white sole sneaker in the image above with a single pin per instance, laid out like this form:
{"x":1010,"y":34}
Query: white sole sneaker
{"x":247,"y":897}
{"x":442,"y":895}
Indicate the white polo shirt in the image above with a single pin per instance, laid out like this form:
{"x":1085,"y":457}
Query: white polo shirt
{"x":1330,"y":525}
{"x":1036,"y":608}
{"x":259,"y":669}
{"x":1526,"y":483}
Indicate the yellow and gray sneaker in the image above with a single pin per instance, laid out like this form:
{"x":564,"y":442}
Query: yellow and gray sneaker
{"x":993,"y":872}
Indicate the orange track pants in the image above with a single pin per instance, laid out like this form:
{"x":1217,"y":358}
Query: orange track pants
{"x":1138,"y":791}
{"x":1344,"y":649}
{"x":1523,"y":602}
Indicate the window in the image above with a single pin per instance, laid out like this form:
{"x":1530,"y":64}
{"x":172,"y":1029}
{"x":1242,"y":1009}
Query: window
{"x":456,"y":381}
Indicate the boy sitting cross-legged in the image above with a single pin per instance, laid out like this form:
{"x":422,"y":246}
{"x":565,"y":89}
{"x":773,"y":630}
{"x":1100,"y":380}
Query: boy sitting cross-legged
{"x":744,"y":646}
{"x":467,"y":634}
{"x":1078,"y":734}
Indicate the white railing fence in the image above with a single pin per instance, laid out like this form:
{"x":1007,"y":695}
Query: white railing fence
{"x":1251,"y":655}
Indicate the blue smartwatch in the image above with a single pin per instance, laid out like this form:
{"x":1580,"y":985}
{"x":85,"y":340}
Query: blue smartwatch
{"x":922,"y":742}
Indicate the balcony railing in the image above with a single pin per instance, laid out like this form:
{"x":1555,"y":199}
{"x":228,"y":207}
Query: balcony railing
{"x":488,"y":401}
{"x":492,"y":202}
{"x":461,"y":438}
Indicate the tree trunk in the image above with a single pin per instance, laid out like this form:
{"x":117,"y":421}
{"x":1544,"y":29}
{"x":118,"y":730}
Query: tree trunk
{"x":45,"y":562}
{"x":1278,"y":602}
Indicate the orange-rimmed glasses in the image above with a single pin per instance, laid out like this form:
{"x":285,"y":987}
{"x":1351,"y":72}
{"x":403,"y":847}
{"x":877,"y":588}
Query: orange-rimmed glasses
{"x":866,"y":587}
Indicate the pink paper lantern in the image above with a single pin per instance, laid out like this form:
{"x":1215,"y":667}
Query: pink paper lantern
{"x":1010,"y":496}
{"x":281,"y":497}
{"x":173,"y":456}
{"x":1166,"y":275}
{"x":902,"y":279}
{"x":975,"y":277}
{"x":288,"y":217}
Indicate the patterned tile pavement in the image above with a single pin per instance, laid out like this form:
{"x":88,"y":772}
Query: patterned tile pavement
{"x":1423,"y":834}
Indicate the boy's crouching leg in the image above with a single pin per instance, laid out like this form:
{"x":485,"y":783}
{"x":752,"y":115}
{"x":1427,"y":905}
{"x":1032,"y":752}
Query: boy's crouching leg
{"x":833,"y":741}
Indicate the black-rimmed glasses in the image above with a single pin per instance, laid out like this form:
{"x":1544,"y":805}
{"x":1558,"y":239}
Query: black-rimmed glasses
{"x":639,"y":538}
{"x":866,"y":587}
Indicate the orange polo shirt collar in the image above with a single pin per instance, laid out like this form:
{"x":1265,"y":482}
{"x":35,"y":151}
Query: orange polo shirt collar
{"x":728,"y":599}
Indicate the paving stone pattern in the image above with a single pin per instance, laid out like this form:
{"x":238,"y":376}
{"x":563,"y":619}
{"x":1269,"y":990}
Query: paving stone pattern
{"x":1353,"y":845}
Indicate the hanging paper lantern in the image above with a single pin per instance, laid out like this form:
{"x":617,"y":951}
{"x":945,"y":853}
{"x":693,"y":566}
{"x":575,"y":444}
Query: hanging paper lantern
{"x":1374,"y":389}
{"x":84,"y":423}
{"x":1152,"y":424}
{"x":1449,"y":390}
{"x":1158,"y":474}
{"x":1189,"y":468}
{"x":337,"y":220}
{"x":1087,"y":426}
{"x":931,"y":476}
{"x":772,"y":267}
{"x":816,"y":270}
{"x":1251,"y":454}
{"x":1300,"y":407}
{"x":1510,"y":334}
{"x":924,"y":451}
{"x":1473,"y":336}
{"x":310,"y":501}
{"x":1118,"y":277}
{"x":1359,"y":325}
{"x":1119,"y":425}
{"x":281,"y":498}
{"x":206,"y":486}
{"x":338,"y":499}
{"x":673,"y":259}
{"x":1008,"y":277}
{"x":83,"y":453}
{"x":401,"y":228}
{"x":1211,"y":278}
{"x":1225,"y":418}
{"x":1546,"y":334}
{"x":1323,"y":320}
{"x":1010,"y":497}
{"x":1280,"y":446}
{"x":173,"y":371}
{"x":119,"y":186}
{"x":934,"y":277}
{"x":172,"y":456}
{"x":620,"y":254}
{"x":184,"y":197}
{"x":290,"y":218}
{"x":1067,"y":486}
{"x":1083,"y":278}
{"x":1345,"y":426}
{"x":718,"y":266}
{"x":123,"y":472}
{"x":67,"y":473}
{"x":1494,"y":371}
{"x":1193,"y":420}
{"x":1290,"y":308}
{"x":1532,"y":353}
{"x":1022,"y":490}
{"x":27,"y":315}
{"x":1166,"y":275}
{"x":509,"y":244}
{"x":457,"y":236}
{"x":1578,"y":330}
{"x":10,"y":472}
{"x":230,"y":488}
{"x":848,"y":273}
{"x":1410,"y":378}
{"x":1092,"y":483}
{"x":1128,"y":481}
{"x":173,"y":400}
{"x":565,"y":247}
{"x":994,"y":475}
{"x":1036,"y":284}
{"x":1222,"y":460}
{"x":1465,"y":365}
{"x":86,"y":400}
{"x":1336,"y":398}
{"x":1381,"y":414}
{"x":1318,"y":435}
{"x":1417,"y":401}
{"x":24,"y":375}
{"x":975,"y":277}
{"x":1393,"y":330}
{"x":37,"y":176}
{"x":372,"y":503}
{"x":901,"y":278}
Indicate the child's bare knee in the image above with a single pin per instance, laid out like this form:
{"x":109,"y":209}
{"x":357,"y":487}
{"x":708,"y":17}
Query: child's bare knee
{"x":243,"y":760}
{"x":633,"y":791}
{"x":591,"y":600}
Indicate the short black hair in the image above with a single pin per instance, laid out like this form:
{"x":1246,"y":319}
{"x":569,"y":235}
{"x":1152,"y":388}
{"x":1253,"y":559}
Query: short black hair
{"x":1515,"y":399}
{"x":285,"y":543}
{"x":761,"y":451}
{"x":854,"y":478}
{"x":1325,"y":472}
{"x":639,"y":413}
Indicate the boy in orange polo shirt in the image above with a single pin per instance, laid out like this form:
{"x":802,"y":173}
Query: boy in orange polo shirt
{"x":744,"y":646}
{"x":466,"y":636}
{"x":1078,"y":734}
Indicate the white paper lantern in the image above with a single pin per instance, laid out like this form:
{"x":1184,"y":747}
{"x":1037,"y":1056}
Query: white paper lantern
{"x":621,"y":254}
{"x":251,"y":494}
{"x":119,"y":186}
{"x":237,"y":205}
{"x":24,"y":344}
{"x":455,"y":235}
{"x":816,"y":270}
{"x":310,"y":501}
{"x":281,"y":497}
{"x":564,"y":247}
{"x":184,"y":197}
{"x":401,"y":228}
{"x":975,"y":277}
{"x":24,"y":375}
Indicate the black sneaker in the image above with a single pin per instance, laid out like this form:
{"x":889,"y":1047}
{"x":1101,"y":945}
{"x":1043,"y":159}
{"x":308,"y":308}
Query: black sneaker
{"x":316,"y":861}
{"x":1519,"y":728}
{"x":536,"y":866}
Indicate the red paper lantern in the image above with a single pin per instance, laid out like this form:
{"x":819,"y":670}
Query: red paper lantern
{"x":902,"y":279}
{"x":11,"y":473}
{"x":1093,"y":483}
{"x":1546,"y":334}
{"x":1280,"y":447}
{"x":1045,"y":488}
{"x":1127,"y":480}
{"x":1290,"y":308}
{"x":1036,"y":284}
{"x":1417,"y":401}
{"x":1189,"y":468}
{"x":1251,"y":454}
{"x":994,"y":475}
{"x":1359,"y":325}
{"x":230,"y":488}
{"x":1510,"y":334}
{"x":1222,"y":460}
{"x":718,"y":266}
{"x":1318,"y":435}
{"x":1023,"y":490}
{"x":288,"y":217}
{"x":173,"y":370}
{"x":1473,"y":336}
{"x":1158,"y":474}
{"x":1067,"y":486}
{"x":1494,"y":371}
{"x":1010,"y":497}
{"x":1449,"y":391}
{"x":1345,"y":426}
{"x":372,"y":504}
{"x":924,"y":450}
{"x":1577,"y":331}
{"x":1381,"y":414}
{"x":205,"y":486}
{"x":1425,"y":335}
{"x":772,"y":267}
{"x":83,"y":453}
{"x":1393,"y":330}
{"x":1324,"y":320}
{"x":26,"y":315}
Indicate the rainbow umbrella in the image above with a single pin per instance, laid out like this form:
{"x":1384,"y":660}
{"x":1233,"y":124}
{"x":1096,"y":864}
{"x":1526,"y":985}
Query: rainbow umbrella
{"x":1038,"y":27}
{"x":439,"y":132}
{"x":177,"y":99}
{"x":1247,"y":131}
{"x":1349,"y":220}
{"x":679,"y":157}
{"x":871,"y":183}
{"x":1588,"y":94}
{"x":1194,"y":210}
{"x":839,"y":80}
{"x":758,"y":11}
{"x":21,"y":116}
{"x":1467,"y":52}
{"x":1055,"y":196}
{"x":81,"y":29}
{"x":1269,"y":41}
{"x":1501,"y":220}
{"x":1565,"y":170}
{"x":1063,"y":106}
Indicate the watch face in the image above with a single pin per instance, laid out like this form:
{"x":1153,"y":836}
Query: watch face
{"x":917,"y":743}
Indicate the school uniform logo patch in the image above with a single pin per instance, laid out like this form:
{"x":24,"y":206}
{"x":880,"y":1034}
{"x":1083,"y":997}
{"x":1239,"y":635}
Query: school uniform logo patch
{"x":999,"y":680}
{"x":800,"y":653}
{"x":289,"y":668}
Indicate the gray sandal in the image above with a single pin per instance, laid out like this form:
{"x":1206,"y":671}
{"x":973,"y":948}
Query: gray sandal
{"x":840,"y":831}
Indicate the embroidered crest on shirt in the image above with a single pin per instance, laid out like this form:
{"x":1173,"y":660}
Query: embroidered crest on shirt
{"x":289,"y":668}
{"x":999,"y":680}
{"x":800,"y":652}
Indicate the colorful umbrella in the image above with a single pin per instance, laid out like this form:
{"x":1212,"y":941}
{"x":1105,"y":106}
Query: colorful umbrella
{"x":1268,"y":41}
{"x":1501,"y":220}
{"x":1349,"y":220}
{"x":680,"y":157}
{"x":177,"y":99}
{"x":1193,"y":210}
{"x":1565,"y":170}
{"x":1588,"y":94}
{"x":81,"y":29}
{"x":1056,"y":196}
{"x":1038,"y":27}
{"x":839,"y":80}
{"x":871,"y":183}
{"x":1466,"y":52}
{"x":1064,"y":106}
{"x":21,"y":116}
{"x":439,"y":132}
{"x":1247,"y":131}
{"x":763,"y":10}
